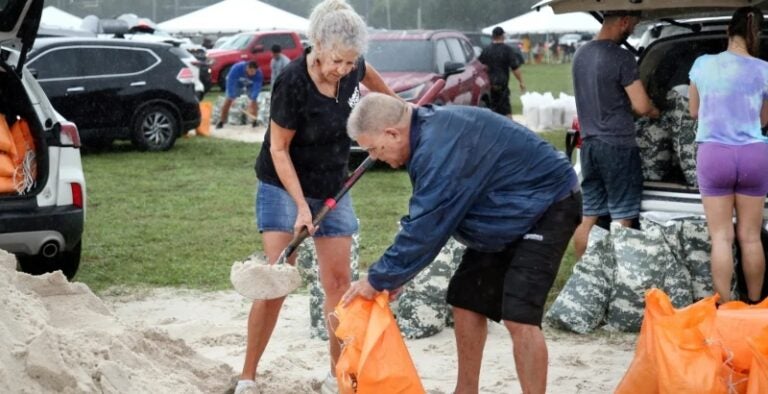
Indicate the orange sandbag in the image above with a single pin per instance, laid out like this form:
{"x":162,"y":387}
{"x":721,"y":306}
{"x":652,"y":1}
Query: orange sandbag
{"x":374,"y":358}
{"x":7,"y":185}
{"x":22,"y":139}
{"x":737,"y":321}
{"x":6,"y":141}
{"x":206,"y":109}
{"x":676,"y":351}
{"x":7,"y":166}
{"x":758,"y":371}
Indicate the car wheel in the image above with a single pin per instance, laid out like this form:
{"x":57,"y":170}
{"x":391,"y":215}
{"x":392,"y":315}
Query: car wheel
{"x":223,"y":78}
{"x":68,"y":262}
{"x":155,"y":128}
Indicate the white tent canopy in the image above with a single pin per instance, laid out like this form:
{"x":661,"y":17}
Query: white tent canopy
{"x":232,"y":16}
{"x":54,"y":17}
{"x":546,"y":22}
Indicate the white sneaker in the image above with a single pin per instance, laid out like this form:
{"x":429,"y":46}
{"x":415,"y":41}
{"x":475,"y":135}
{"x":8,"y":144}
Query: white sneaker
{"x":246,"y":387}
{"x":330,"y":385}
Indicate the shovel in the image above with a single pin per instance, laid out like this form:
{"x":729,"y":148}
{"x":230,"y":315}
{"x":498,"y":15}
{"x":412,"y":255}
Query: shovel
{"x":256,"y":279}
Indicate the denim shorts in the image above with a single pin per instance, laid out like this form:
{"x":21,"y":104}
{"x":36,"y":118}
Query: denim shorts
{"x":276,"y":211}
{"x":612,"y":179}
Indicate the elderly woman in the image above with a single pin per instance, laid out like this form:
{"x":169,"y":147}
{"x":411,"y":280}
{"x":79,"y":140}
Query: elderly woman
{"x":729,"y":96}
{"x":304,"y":160}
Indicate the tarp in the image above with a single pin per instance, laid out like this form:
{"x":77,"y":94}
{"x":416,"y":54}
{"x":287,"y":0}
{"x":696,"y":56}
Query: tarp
{"x":546,"y":22}
{"x":54,"y":17}
{"x":232,"y":16}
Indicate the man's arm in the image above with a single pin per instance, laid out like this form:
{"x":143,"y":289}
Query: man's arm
{"x":641,"y":103}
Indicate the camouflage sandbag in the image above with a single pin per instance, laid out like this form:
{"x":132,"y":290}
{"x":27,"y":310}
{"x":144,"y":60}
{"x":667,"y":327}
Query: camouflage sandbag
{"x":236,"y":115}
{"x":684,"y":137}
{"x":307,"y":264}
{"x":641,"y":259}
{"x":458,"y":255}
{"x":421,"y":309}
{"x":581,"y":305}
{"x":677,"y":283}
{"x":264,"y":101}
{"x":654,"y":138}
{"x":694,"y":236}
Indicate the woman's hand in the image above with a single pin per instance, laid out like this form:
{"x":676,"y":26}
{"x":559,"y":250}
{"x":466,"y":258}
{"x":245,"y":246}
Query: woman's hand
{"x":304,"y":219}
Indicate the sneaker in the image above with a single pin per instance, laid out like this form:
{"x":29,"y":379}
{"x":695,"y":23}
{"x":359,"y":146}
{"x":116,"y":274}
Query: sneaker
{"x":246,"y":387}
{"x":330,"y":385}
{"x":219,"y":125}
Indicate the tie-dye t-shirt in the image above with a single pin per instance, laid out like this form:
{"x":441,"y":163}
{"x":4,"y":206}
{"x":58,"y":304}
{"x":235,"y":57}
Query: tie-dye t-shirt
{"x":731,"y":92}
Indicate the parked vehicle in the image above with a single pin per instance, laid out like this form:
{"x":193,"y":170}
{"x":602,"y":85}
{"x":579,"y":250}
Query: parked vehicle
{"x":41,"y":220}
{"x":253,"y":46}
{"x":411,"y":61}
{"x":117,"y":89}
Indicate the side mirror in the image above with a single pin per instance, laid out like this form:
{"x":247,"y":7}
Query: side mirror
{"x":452,"y":68}
{"x":257,"y":48}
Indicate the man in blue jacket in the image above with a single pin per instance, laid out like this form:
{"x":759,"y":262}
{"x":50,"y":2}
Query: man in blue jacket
{"x":496,"y":187}
{"x":243,"y":75}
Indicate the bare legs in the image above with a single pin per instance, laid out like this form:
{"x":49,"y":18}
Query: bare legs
{"x":581,"y":236}
{"x":529,"y":349}
{"x":333,"y":257}
{"x":749,"y":217}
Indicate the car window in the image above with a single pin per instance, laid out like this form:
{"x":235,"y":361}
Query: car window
{"x":457,"y":52}
{"x":284,"y":40}
{"x":469,"y":52}
{"x":237,"y":42}
{"x":116,"y":61}
{"x":56,"y":63}
{"x":442,"y":55}
{"x":400,"y":55}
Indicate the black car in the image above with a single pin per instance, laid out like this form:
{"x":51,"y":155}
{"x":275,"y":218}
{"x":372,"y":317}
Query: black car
{"x":117,"y":89}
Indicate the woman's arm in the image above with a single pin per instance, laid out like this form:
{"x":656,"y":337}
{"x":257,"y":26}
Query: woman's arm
{"x":693,"y":101}
{"x":280,"y":143}
{"x":373,"y":81}
{"x":764,"y":114}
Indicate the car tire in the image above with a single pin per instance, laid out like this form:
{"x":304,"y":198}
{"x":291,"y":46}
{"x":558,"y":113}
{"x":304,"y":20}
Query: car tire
{"x":222,"y":82}
{"x":155,"y":128}
{"x":68,"y":262}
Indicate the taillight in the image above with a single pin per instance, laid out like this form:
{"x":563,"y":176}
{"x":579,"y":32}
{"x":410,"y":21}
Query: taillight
{"x":77,"y":194}
{"x":69,"y":134}
{"x":186,"y":76}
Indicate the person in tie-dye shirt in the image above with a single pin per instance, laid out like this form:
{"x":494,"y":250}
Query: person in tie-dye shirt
{"x":729,"y":95}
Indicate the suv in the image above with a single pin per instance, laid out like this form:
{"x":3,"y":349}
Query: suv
{"x":41,"y":219}
{"x":118,"y":89}
{"x":663,"y":65}
{"x":411,"y":61}
{"x":253,"y":46}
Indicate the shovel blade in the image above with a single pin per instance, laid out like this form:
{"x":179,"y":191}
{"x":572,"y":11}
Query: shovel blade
{"x":256,"y":280}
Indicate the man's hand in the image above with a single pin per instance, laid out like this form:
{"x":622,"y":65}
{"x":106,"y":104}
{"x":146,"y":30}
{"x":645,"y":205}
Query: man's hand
{"x":360,"y":288}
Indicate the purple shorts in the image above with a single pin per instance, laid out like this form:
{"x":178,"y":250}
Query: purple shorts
{"x":732,"y":169}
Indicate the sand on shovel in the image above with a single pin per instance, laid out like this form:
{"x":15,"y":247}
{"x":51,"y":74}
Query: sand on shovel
{"x":257,"y":280}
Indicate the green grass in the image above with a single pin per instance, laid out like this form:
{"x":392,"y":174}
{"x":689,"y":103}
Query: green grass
{"x":541,"y":78}
{"x":180,"y":218}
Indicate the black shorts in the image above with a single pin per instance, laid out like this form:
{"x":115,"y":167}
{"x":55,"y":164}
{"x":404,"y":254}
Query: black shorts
{"x":513,"y":284}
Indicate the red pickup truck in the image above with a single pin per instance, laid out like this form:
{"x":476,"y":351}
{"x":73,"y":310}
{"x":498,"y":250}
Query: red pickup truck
{"x":252,"y":46}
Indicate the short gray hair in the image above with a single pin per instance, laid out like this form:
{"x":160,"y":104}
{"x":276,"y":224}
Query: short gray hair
{"x":335,"y":24}
{"x":374,"y":113}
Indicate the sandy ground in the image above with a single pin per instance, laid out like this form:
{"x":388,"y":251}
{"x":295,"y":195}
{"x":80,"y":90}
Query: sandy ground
{"x":213,"y":323}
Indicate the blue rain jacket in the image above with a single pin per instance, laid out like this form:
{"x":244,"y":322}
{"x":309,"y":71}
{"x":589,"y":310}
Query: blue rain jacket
{"x":476,"y":175}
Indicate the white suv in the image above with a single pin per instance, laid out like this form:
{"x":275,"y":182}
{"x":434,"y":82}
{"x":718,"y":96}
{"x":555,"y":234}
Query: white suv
{"x":41,"y":220}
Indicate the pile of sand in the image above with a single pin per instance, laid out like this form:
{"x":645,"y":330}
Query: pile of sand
{"x":59,"y":337}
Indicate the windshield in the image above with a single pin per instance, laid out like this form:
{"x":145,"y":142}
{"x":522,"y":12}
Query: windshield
{"x":237,"y":42}
{"x":400,"y":56}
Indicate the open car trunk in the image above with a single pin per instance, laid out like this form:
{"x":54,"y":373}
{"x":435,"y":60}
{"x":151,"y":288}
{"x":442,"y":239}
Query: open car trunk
{"x":23,"y":146}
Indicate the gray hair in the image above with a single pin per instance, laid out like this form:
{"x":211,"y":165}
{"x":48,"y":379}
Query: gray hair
{"x":374,"y":113}
{"x":335,"y":24}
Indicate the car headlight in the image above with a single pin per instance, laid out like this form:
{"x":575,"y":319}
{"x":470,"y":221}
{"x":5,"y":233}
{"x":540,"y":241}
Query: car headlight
{"x":412,"y":93}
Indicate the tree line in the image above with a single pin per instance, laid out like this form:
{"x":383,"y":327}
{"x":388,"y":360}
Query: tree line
{"x":391,"y":14}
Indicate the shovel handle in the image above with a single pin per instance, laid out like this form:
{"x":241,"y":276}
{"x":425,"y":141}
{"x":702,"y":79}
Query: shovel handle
{"x":328,"y":206}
